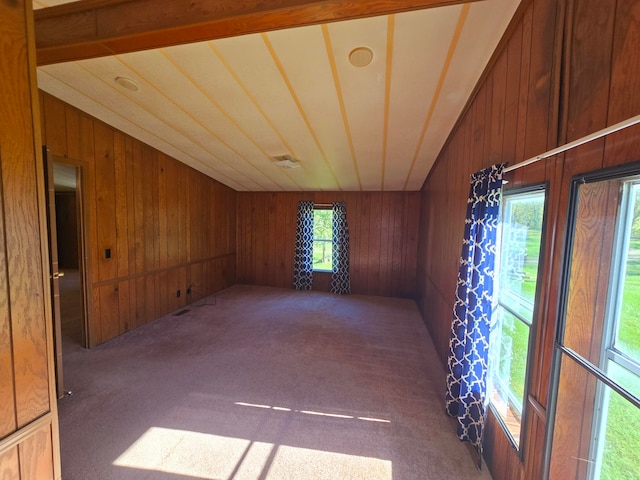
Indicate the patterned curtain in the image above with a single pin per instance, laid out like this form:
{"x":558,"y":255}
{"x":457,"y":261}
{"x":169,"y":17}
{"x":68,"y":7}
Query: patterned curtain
{"x":469,"y":343}
{"x":340,"y":282}
{"x":303,"y":260}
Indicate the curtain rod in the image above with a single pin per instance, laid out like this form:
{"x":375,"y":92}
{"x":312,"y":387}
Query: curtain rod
{"x":578,"y":142}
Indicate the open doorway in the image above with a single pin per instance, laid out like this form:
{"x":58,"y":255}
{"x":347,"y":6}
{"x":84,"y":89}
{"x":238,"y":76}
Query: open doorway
{"x":68,"y":265}
{"x":72,"y":324}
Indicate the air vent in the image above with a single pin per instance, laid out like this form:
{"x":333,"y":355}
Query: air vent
{"x":285,"y":161}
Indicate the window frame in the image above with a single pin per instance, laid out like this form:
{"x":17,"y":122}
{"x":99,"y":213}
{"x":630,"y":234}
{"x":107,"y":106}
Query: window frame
{"x":560,"y":350}
{"x":317,"y":208}
{"x":519,"y":446}
{"x":610,"y":354}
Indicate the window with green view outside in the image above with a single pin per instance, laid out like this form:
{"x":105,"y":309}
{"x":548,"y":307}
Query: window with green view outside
{"x":616,"y":427}
{"x":517,"y":278}
{"x":322,"y":240}
{"x":595,"y":399}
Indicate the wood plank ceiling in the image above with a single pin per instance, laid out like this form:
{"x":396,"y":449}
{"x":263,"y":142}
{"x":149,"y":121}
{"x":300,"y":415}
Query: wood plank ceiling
{"x":227,"y":106}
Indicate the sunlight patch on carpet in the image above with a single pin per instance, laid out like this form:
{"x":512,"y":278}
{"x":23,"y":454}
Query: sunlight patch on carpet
{"x":312,"y":412}
{"x":211,"y":457}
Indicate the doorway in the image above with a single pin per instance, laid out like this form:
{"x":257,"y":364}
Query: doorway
{"x":68,"y":269}
{"x":72,"y":325}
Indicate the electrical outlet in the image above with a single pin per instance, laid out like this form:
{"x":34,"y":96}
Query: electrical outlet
{"x":178,"y":293}
{"x":188,"y":290}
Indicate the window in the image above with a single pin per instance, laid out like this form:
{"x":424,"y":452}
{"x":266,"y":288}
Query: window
{"x":510,"y":337}
{"x":322,"y":240}
{"x":596,"y":414}
{"x":621,"y":351}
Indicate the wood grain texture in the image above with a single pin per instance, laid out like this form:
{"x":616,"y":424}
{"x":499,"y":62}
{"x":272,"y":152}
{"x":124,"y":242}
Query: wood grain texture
{"x":21,"y":219}
{"x":588,"y":78}
{"x":564,"y":67}
{"x":36,"y":455}
{"x":383,"y":230}
{"x":589,"y":275}
{"x":624,"y":101}
{"x":27,"y":387}
{"x":155,"y":215}
{"x":7,"y":386}
{"x":99,"y":28}
{"x":10,"y":464}
{"x":573,"y":422}
{"x":508,"y":118}
{"x":585,"y":319}
{"x":499,"y":453}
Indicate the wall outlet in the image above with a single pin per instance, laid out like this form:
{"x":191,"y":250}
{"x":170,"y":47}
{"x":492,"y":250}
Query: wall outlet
{"x":188,"y":290}
{"x":178,"y":293}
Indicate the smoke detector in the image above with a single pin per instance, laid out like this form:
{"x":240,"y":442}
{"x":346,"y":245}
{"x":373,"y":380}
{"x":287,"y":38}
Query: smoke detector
{"x":361,"y":56}
{"x":285,"y":161}
{"x":127,"y":83}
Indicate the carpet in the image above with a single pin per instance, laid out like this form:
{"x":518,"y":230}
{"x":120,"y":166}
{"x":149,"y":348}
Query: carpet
{"x":263,"y":383}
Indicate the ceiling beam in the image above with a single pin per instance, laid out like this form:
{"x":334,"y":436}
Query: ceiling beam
{"x":95,"y":28}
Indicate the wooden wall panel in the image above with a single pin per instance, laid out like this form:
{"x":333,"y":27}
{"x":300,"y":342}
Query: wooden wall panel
{"x":624,"y":101}
{"x":10,"y":464}
{"x":36,"y":455}
{"x":105,"y":211}
{"x":155,"y":215}
{"x":29,"y":446}
{"x":120,"y":204}
{"x":163,"y":240}
{"x":535,"y":444}
{"x":566,"y":69}
{"x":589,"y":79}
{"x":383,"y":230}
{"x":7,"y":386}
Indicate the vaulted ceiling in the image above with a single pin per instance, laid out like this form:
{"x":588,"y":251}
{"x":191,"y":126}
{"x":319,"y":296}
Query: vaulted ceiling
{"x":227,"y":106}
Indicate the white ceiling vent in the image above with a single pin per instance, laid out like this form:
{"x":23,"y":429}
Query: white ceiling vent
{"x":285,"y":161}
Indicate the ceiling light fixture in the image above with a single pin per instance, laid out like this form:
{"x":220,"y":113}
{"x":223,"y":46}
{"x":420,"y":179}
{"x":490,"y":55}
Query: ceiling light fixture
{"x":286,"y":161}
{"x":126,"y":82}
{"x":361,"y":56}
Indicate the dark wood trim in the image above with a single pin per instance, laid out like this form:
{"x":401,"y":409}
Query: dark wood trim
{"x":537,"y":407}
{"x":114,"y":281}
{"x":564,"y":69}
{"x":19,"y":436}
{"x":95,"y":28}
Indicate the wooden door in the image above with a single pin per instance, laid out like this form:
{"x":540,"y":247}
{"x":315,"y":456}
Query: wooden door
{"x":54,"y":273}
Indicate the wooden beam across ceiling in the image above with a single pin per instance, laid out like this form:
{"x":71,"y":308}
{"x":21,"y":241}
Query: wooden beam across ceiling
{"x":96,"y":28}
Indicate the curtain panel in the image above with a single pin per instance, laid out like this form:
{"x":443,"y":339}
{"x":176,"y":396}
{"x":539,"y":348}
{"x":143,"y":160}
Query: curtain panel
{"x":474,"y":303}
{"x":303,"y":259}
{"x":340,"y":280}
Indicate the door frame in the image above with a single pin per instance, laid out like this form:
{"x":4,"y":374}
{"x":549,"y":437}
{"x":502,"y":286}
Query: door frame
{"x":84,"y":259}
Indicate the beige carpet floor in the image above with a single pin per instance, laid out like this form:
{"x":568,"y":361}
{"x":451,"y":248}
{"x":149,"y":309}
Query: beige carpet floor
{"x":261,"y":383}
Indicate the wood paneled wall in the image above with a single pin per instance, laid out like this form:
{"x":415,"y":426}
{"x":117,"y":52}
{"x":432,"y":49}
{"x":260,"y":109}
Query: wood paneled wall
{"x":168,"y":227}
{"x":383,"y":233}
{"x":28,"y":414}
{"x":565,"y":68}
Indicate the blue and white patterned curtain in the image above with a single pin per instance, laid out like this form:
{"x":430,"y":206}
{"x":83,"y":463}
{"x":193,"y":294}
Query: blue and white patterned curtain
{"x":340,"y":281}
{"x":469,"y":343}
{"x":303,"y":260}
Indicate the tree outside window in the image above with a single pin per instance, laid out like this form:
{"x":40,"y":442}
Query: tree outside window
{"x":322,"y":240}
